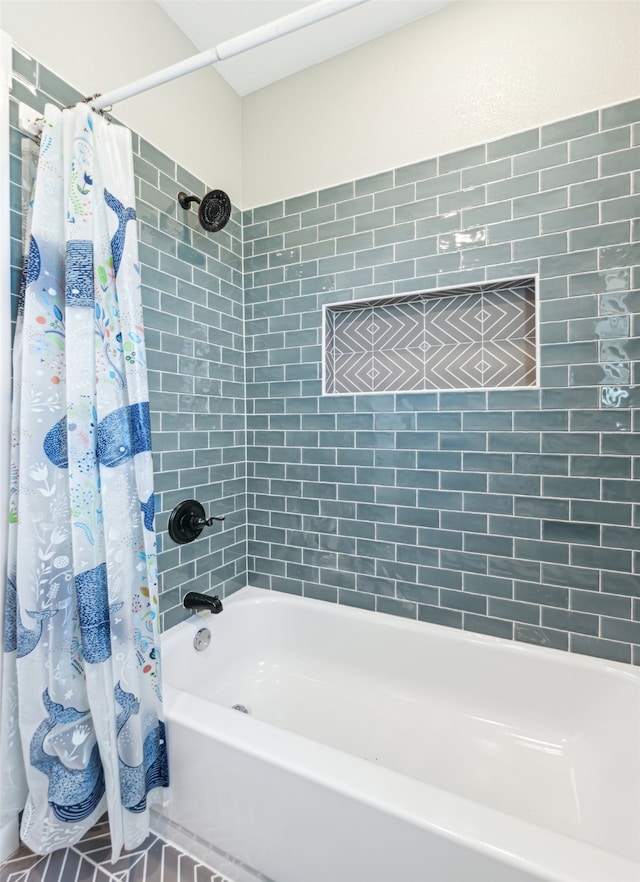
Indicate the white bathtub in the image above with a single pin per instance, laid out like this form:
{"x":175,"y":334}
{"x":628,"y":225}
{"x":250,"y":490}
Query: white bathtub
{"x":384,"y":750}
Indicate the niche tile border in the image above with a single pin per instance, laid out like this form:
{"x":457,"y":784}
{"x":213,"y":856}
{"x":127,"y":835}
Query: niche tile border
{"x":481,"y":336}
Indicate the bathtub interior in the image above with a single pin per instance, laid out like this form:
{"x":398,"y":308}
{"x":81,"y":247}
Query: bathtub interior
{"x":534,"y":733}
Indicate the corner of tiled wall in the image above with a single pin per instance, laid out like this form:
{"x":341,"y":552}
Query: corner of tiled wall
{"x":193,"y":313}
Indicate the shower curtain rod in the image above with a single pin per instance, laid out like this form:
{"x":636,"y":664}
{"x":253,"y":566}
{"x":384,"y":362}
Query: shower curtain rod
{"x":287,"y":24}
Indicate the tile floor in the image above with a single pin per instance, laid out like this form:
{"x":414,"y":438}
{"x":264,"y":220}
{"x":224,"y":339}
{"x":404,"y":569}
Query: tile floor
{"x":89,"y":861}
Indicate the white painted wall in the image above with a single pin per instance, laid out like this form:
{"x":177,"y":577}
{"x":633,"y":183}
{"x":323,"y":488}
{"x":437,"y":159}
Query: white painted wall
{"x":98,"y":45}
{"x":475,"y":71}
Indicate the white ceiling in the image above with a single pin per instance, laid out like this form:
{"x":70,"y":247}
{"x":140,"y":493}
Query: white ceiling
{"x":209,"y":22}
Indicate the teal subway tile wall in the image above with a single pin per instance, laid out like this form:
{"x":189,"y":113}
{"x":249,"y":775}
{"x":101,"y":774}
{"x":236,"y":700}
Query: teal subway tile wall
{"x":511,"y":512}
{"x":505,"y":512}
{"x":193,"y":314}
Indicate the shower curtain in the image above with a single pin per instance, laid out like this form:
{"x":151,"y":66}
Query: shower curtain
{"x":81,"y":720}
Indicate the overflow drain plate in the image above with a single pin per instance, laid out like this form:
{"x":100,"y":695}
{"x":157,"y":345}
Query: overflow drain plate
{"x":202,"y":639}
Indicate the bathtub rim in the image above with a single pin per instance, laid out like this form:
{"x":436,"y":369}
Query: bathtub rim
{"x":494,"y":833}
{"x":250,"y":596}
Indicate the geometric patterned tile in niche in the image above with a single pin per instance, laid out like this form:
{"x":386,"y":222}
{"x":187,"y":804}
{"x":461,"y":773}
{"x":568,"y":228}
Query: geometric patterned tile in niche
{"x":453,"y":367}
{"x":509,"y":363}
{"x":508,"y":313}
{"x":452,"y":319}
{"x":329,"y":331}
{"x":398,"y":369}
{"x":329,"y":372}
{"x":353,"y":331}
{"x":353,"y":372}
{"x":398,"y":326}
{"x":436,"y":340}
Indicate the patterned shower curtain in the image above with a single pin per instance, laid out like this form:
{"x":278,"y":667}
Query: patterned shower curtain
{"x":81,"y":725}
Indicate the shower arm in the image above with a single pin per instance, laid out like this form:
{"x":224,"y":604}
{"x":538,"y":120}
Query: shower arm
{"x":185,"y":201}
{"x":287,"y":24}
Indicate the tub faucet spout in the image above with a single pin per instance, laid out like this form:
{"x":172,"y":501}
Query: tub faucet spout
{"x":197,"y":602}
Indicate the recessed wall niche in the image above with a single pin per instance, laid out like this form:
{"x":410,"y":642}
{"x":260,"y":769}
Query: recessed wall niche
{"x":479,"y":336}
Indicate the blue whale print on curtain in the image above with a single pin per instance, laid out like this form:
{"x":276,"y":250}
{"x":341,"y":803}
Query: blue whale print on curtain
{"x":136,"y":781}
{"x":33,"y":262}
{"x":81,"y":655}
{"x":73,"y":794}
{"x":79,"y":274}
{"x":17,"y":638}
{"x":123,"y":214}
{"x":94,"y":613}
{"x":120,"y":435}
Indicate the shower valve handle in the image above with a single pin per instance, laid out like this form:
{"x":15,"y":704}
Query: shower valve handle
{"x":187,"y":521}
{"x":207,"y":522}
